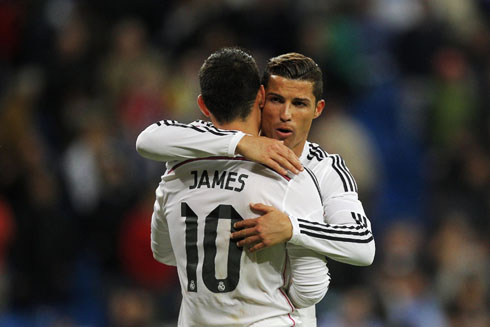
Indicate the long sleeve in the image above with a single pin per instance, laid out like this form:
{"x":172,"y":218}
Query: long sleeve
{"x":309,"y":276}
{"x":169,"y":140}
{"x":345,"y":234}
{"x":160,"y":239}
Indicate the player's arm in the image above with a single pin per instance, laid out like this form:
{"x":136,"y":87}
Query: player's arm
{"x":270,"y":152}
{"x":160,"y":239}
{"x":344,"y":235}
{"x":308,"y":269}
{"x":170,"y":140}
{"x":347,"y":239}
{"x":309,"y":276}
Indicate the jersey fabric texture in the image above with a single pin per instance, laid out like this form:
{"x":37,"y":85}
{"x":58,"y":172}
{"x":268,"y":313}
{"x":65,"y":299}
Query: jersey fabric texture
{"x":345,"y":233}
{"x":197,"y":203}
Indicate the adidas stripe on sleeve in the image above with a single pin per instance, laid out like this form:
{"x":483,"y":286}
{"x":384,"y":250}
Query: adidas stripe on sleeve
{"x":346,"y":233}
{"x":169,"y":140}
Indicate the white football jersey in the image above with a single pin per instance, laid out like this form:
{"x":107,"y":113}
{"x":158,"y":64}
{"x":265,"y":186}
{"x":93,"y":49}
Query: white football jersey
{"x":198,"y":201}
{"x":345,"y":233}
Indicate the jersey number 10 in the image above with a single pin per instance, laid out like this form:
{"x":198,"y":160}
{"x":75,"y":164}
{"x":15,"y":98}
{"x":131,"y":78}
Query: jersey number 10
{"x":222,"y":211}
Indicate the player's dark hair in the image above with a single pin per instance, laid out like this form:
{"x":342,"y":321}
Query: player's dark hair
{"x":297,"y":67}
{"x":229,"y":80}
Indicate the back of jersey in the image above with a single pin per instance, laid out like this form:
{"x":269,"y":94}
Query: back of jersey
{"x":222,"y":284}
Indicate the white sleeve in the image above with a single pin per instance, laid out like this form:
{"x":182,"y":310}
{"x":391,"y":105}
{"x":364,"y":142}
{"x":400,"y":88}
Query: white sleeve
{"x":345,"y":235}
{"x":160,"y":238}
{"x":309,"y":276}
{"x":170,"y":140}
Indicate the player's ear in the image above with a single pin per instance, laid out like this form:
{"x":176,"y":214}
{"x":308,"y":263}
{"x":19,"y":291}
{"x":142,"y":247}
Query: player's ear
{"x":202,"y":106}
{"x":320,"y":105}
{"x":261,"y":96}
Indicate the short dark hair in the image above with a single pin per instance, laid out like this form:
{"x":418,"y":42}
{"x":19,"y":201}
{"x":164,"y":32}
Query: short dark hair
{"x":229,"y":80}
{"x":295,"y":66}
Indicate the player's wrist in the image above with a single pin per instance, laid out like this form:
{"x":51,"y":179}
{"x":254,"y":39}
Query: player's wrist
{"x":233,"y":148}
{"x":293,"y":228}
{"x":242,"y":144}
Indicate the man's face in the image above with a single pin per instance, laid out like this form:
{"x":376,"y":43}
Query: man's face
{"x":289,"y":110}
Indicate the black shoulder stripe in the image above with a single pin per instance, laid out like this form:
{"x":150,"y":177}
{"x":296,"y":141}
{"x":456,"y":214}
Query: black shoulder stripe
{"x":317,"y":148}
{"x":342,"y":178}
{"x":339,"y":166}
{"x":173,"y":123}
{"x":316,"y":152}
{"x":204,"y":128}
{"x":313,"y":155}
{"x":211,"y":127}
{"x":348,"y":174}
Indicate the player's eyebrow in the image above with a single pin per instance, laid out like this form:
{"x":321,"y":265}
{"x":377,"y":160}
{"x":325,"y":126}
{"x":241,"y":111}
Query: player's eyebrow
{"x":274,"y":94}
{"x":297,"y":99}
{"x":306,"y":100}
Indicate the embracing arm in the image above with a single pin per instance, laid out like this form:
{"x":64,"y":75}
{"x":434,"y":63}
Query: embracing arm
{"x":344,"y":234}
{"x":169,"y":140}
{"x":348,"y":240}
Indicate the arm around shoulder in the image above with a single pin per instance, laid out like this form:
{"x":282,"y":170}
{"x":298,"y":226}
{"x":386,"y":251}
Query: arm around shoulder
{"x":170,"y":140}
{"x":151,"y":143}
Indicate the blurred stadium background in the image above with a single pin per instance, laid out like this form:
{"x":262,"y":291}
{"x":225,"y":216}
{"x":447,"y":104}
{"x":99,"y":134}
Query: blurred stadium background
{"x":407,"y":91}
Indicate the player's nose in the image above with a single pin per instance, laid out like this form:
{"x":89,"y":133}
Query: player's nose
{"x":285,"y":114}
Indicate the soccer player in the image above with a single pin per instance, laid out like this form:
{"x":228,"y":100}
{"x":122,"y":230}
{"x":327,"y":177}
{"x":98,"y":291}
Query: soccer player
{"x":293,"y":84}
{"x":199,"y":200}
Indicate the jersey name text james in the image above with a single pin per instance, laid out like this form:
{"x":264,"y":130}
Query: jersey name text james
{"x":222,"y":179}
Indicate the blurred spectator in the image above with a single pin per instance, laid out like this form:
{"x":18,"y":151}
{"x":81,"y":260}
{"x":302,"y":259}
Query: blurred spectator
{"x":355,"y":308}
{"x":131,"y":308}
{"x":7,"y":230}
{"x":134,"y":77}
{"x":137,"y":258}
{"x":461,"y":276}
{"x":403,"y":283}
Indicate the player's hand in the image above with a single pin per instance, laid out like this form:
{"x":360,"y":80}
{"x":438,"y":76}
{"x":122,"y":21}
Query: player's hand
{"x":272,"y":228}
{"x":270,"y":152}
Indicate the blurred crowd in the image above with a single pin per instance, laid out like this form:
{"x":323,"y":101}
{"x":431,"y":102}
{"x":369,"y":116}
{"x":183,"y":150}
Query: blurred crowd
{"x":407,"y":89}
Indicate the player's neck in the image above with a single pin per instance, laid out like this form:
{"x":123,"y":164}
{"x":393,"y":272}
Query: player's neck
{"x":298,"y":150}
{"x":249,"y":125}
{"x":241,"y":125}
